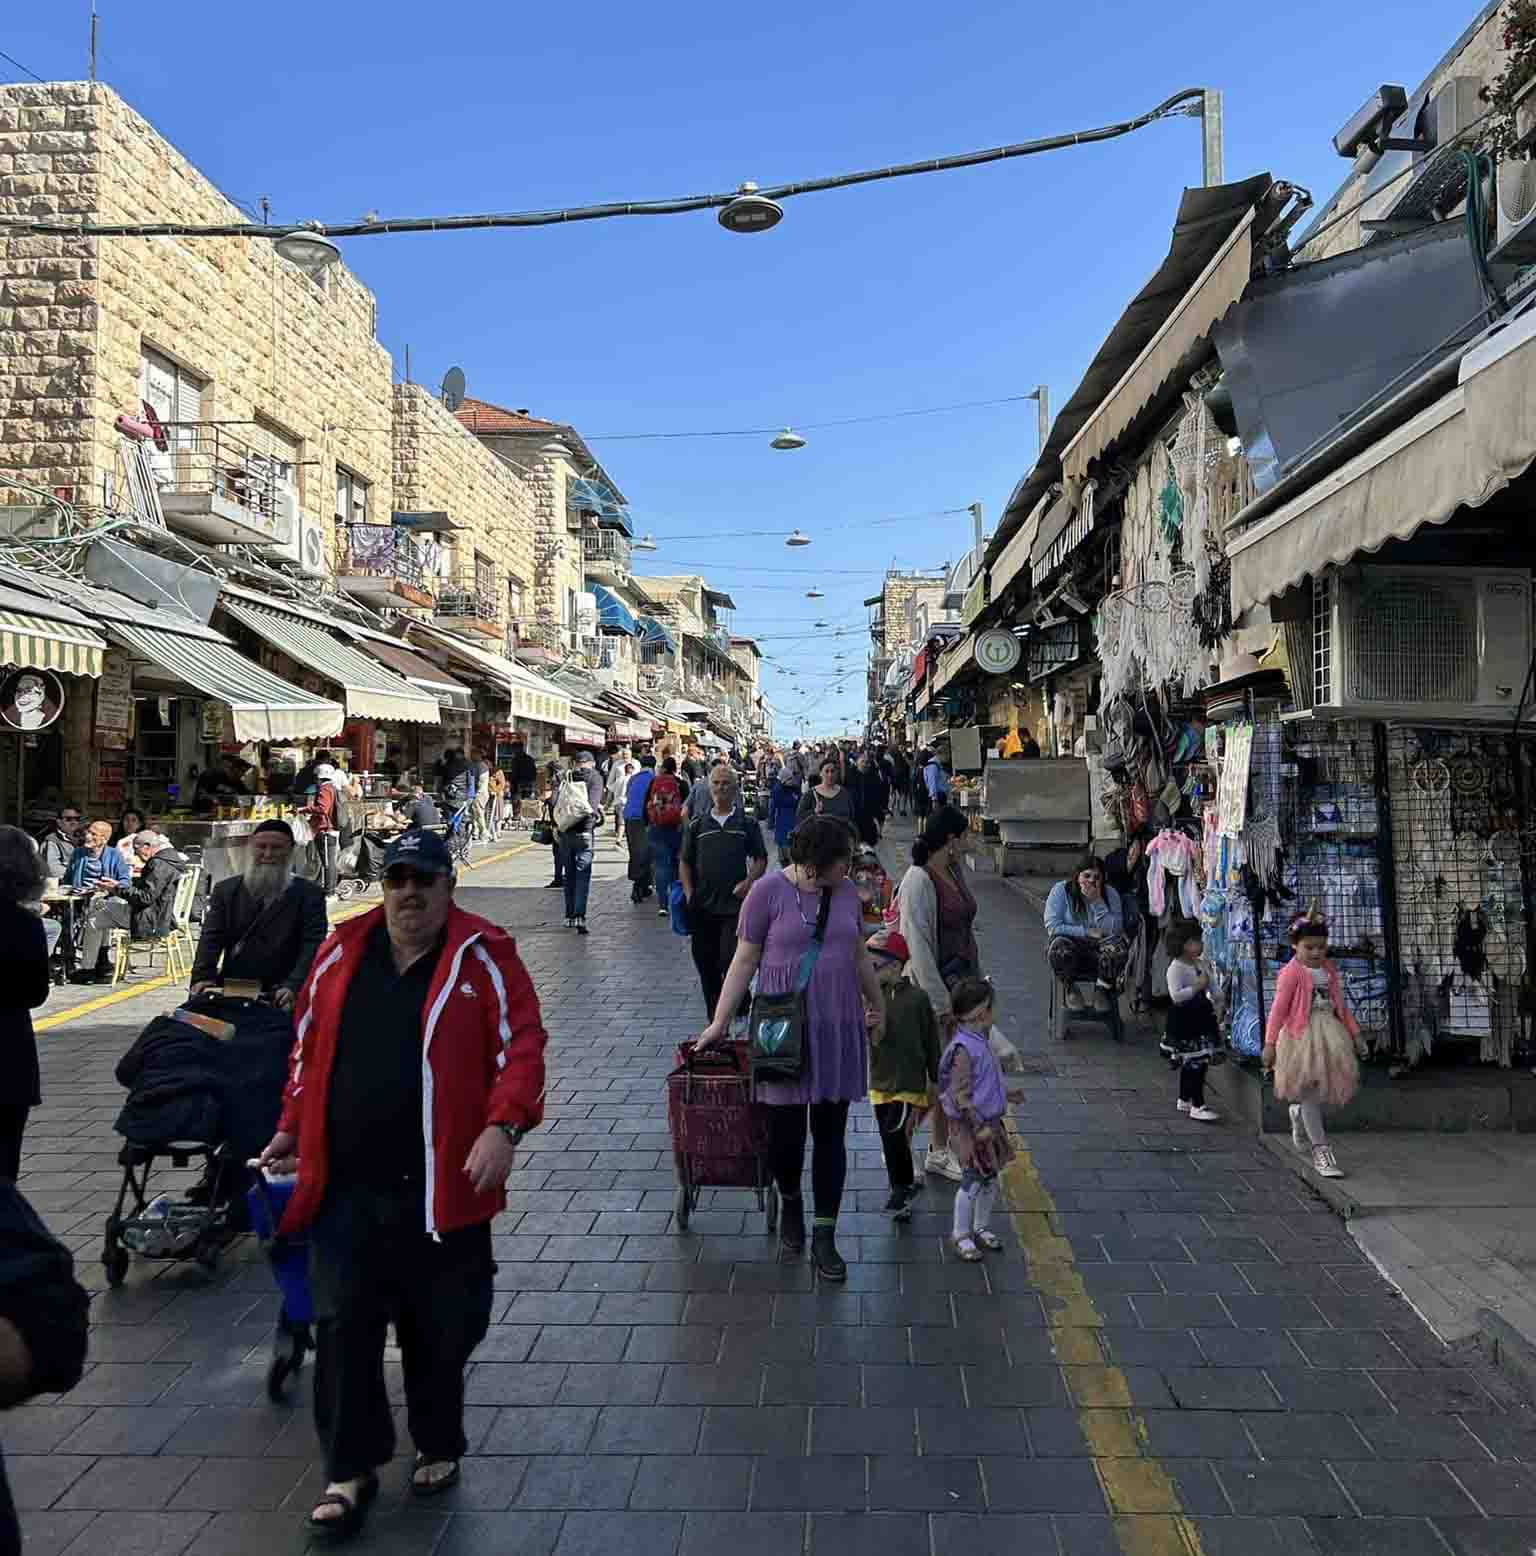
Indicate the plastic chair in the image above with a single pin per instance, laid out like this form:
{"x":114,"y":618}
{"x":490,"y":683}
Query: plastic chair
{"x":178,"y":963}
{"x":1062,"y":1018}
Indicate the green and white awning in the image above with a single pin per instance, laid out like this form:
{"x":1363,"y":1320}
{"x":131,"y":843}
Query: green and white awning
{"x":35,"y":643}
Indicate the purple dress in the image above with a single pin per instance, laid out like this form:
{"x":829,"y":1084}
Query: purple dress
{"x":779,"y":917}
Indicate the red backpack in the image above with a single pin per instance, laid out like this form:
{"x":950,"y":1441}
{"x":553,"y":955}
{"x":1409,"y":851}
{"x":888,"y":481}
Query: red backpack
{"x":664,"y":802}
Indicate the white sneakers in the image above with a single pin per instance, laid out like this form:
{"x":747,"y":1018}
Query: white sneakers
{"x":943,"y":1163}
{"x":1202,"y":1114}
{"x":1323,"y":1163}
{"x":1300,"y":1139}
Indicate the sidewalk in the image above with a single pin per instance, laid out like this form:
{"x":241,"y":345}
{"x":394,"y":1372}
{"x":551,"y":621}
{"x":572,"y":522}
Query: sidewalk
{"x":1178,"y":1353}
{"x":1449,"y":1219}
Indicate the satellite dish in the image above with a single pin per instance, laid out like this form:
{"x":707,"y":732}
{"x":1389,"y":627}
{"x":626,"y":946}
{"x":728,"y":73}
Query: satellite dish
{"x":453,"y":388}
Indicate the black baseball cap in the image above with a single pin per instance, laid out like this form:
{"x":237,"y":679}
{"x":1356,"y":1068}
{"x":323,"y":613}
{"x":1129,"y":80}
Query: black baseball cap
{"x":420,"y":850}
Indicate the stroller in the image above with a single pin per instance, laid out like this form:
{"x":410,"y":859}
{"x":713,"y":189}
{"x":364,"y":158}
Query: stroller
{"x":205,"y":1085}
{"x":360,"y":864}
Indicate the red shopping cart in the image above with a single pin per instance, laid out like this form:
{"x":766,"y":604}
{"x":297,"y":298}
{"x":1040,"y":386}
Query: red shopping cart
{"x":719,"y":1134}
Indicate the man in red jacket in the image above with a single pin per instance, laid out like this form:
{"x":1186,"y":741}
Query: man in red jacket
{"x":419,"y":1066}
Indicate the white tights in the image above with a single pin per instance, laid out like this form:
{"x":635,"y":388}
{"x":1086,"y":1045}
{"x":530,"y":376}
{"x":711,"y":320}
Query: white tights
{"x":974,"y":1200}
{"x":1312,"y":1121}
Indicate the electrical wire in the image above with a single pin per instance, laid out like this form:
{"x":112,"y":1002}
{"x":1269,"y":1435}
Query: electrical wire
{"x":11,"y":60}
{"x":754,"y":534}
{"x":1181,"y":103}
{"x":808,"y":426}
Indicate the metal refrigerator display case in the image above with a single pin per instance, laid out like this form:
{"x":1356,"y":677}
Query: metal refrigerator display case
{"x":1044,"y":803}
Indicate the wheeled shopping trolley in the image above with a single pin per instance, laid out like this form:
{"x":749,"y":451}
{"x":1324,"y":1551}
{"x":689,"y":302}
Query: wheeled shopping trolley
{"x":719,"y":1134}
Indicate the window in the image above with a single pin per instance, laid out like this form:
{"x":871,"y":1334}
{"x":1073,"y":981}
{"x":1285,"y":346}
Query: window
{"x":282,"y":451}
{"x":351,"y":497}
{"x":485,"y":576}
{"x":170,"y":390}
{"x":515,"y":598}
{"x":570,"y":608}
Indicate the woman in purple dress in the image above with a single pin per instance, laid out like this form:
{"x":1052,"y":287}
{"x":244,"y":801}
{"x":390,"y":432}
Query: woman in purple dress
{"x":843,"y":1013}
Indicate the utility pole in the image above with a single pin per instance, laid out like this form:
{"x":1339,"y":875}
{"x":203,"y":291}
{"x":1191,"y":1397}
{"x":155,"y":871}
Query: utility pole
{"x":976,"y":531}
{"x":93,"y":40}
{"x":1043,"y":396}
{"x":1210,"y":136}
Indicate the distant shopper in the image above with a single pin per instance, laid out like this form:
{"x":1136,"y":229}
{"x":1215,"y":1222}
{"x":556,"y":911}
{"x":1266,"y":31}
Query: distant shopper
{"x":830,"y":798}
{"x":25,"y":987}
{"x":665,"y":812}
{"x":142,"y":907}
{"x":578,"y":837}
{"x":58,"y":843}
{"x":723,"y":853}
{"x":636,"y":834}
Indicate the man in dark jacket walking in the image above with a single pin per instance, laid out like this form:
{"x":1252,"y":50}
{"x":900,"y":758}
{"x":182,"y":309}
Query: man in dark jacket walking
{"x":263,"y":925}
{"x":418,"y":1069}
{"x":143,"y":907}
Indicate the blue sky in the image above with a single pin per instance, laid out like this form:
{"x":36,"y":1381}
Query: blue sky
{"x":921,"y":292}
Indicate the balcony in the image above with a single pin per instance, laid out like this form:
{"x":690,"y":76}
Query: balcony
{"x":543,"y":642}
{"x":218,"y":487}
{"x":607,"y":553}
{"x":383,"y":566}
{"x":467,"y":609}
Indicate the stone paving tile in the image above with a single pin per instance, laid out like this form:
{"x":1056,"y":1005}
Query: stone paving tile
{"x":650,"y":1391}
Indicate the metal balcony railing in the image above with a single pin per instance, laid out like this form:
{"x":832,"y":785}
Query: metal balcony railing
{"x":382,"y":551}
{"x":462,"y":600}
{"x":607,"y":547}
{"x":214,"y":459}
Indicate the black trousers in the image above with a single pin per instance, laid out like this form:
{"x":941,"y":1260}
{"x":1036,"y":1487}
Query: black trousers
{"x":713,"y":943}
{"x":370,"y":1265}
{"x":1192,"y":1082}
{"x":827,"y":1126}
{"x":895,"y":1142}
{"x":13,"y":1124}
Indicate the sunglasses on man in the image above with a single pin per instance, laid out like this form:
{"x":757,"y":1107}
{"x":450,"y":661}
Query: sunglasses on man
{"x":398,"y":879}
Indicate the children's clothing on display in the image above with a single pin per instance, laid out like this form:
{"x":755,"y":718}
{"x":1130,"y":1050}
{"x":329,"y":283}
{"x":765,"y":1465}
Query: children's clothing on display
{"x":1176,"y":854}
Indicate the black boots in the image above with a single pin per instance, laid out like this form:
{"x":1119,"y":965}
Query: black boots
{"x":792,"y":1226}
{"x":827,"y":1260}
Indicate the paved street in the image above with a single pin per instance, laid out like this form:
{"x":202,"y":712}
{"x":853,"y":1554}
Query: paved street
{"x":1179,"y":1351}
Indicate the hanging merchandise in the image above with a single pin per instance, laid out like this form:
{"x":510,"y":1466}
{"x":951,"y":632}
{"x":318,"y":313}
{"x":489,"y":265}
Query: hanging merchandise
{"x":1232,"y":791}
{"x":1173,"y":853}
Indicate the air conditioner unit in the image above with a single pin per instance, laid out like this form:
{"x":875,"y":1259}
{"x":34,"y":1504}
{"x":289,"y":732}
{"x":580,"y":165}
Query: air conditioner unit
{"x":1421,"y":642}
{"x":1438,"y":183}
{"x":1516,"y":195}
{"x":285,"y":508}
{"x":304,"y":549}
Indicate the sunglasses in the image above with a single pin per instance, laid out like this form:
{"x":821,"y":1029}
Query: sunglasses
{"x":398,"y":880}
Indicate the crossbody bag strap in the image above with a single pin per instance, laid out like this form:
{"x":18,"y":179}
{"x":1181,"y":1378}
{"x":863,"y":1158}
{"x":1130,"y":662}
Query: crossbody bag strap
{"x":808,"y":957}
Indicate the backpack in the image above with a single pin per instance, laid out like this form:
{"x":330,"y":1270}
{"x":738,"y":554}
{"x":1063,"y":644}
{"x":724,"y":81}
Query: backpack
{"x":664,"y":801}
{"x":572,"y":804}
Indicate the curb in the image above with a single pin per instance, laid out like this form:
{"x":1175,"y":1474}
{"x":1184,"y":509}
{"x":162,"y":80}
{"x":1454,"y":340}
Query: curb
{"x":1510,"y":1351}
{"x":1329,"y":1190}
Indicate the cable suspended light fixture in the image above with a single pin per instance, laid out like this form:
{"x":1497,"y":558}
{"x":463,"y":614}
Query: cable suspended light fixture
{"x":646,"y":542}
{"x":814,"y":594}
{"x":788,"y":440}
{"x":750,"y":211}
{"x":795,"y":538}
{"x":308,"y":248}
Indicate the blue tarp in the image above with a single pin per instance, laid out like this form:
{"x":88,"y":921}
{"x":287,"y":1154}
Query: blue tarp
{"x":654,"y":632}
{"x":612,"y":612}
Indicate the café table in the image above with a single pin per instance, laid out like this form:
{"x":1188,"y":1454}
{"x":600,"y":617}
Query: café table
{"x":63,"y":904}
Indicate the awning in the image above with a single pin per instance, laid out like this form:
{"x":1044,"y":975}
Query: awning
{"x":1457,"y":452}
{"x":531,"y":696}
{"x":583,"y":732}
{"x":33,"y":642}
{"x":264,"y":706}
{"x":712,"y":742}
{"x":1184,"y":285}
{"x":719,"y":599}
{"x":1050,"y":528}
{"x":370,"y":691}
{"x":420,"y":673}
{"x":682,"y":708}
{"x":654,"y":632}
{"x":613,"y":612}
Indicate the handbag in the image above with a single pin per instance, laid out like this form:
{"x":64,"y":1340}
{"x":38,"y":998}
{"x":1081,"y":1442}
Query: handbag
{"x":542,"y":834}
{"x":776,"y":1026}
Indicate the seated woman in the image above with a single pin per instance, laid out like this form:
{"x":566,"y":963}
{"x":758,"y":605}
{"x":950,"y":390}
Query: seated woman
{"x":1089,"y":927}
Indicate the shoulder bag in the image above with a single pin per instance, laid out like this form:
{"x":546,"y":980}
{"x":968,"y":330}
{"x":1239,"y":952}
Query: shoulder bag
{"x":776,"y":1027}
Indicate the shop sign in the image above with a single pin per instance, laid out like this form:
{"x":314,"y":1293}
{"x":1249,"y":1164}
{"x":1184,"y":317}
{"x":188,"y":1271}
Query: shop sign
{"x":997,"y":651}
{"x":212,"y":724}
{"x":1054,"y":649}
{"x":31,"y":699}
{"x":114,"y":701}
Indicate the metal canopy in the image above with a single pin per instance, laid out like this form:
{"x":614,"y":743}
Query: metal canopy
{"x":1207,"y":219}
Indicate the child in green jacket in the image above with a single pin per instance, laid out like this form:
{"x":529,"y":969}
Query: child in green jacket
{"x":903,"y":1067}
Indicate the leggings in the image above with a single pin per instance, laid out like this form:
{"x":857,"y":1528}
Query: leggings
{"x":1312,"y":1121}
{"x":828,"y":1125}
{"x":1192,"y":1082}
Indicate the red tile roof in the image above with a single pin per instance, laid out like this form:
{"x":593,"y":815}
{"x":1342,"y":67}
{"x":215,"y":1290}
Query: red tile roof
{"x":482,"y":416}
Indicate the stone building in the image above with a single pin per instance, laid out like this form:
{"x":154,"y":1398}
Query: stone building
{"x":485,"y":564}
{"x":258,"y":367}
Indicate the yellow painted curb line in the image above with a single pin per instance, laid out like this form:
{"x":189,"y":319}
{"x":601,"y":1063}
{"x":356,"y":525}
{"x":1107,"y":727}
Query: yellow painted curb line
{"x":1148,"y":1517}
{"x":154,"y":985}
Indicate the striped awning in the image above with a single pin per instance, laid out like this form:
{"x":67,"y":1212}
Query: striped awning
{"x":264,"y":706}
{"x":370,"y":691}
{"x":35,"y":643}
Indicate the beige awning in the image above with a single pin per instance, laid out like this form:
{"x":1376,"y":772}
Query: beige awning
{"x":1214,"y":291}
{"x":1456,"y":453}
{"x":38,"y":643}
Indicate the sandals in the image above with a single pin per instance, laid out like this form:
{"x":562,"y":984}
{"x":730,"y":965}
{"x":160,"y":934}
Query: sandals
{"x":966,"y":1249}
{"x":354,"y":1512}
{"x":429,"y":1487}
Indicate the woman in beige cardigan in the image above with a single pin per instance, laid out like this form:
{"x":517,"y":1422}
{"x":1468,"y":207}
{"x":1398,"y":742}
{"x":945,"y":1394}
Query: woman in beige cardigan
{"x":937,"y":914}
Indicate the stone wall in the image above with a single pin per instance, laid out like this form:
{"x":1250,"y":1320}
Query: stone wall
{"x":267,"y":340}
{"x":1480,"y":56}
{"x":439,"y":466}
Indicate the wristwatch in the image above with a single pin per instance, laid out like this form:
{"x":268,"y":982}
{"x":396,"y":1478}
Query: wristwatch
{"x":513,"y":1132}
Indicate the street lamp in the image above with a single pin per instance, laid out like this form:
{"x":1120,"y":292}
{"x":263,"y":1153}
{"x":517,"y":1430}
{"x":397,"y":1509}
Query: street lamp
{"x":814,"y":594}
{"x":646,"y":542}
{"x":1043,"y":396}
{"x":788,"y":440}
{"x":795,"y":538}
{"x":750,"y":211}
{"x":310,"y":251}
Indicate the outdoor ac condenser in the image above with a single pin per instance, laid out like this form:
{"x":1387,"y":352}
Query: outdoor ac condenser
{"x":1421,"y":642}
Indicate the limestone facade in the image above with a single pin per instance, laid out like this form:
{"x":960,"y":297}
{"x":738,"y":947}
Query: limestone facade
{"x":441,"y":467}
{"x":265,"y":341}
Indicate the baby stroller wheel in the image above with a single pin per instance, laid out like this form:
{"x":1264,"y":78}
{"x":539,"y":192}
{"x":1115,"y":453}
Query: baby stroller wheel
{"x":771,"y":1207}
{"x":114,"y":1263}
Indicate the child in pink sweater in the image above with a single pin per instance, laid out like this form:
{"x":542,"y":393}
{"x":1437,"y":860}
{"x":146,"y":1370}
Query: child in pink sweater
{"x":1311,"y":1041}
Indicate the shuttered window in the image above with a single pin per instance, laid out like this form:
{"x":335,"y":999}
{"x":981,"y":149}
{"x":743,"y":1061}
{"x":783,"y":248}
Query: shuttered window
{"x":351,"y":497}
{"x":485,"y":575}
{"x":174,"y":393}
{"x":282,"y":450}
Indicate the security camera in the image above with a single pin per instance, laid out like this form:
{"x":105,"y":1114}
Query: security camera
{"x":1369,"y":125}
